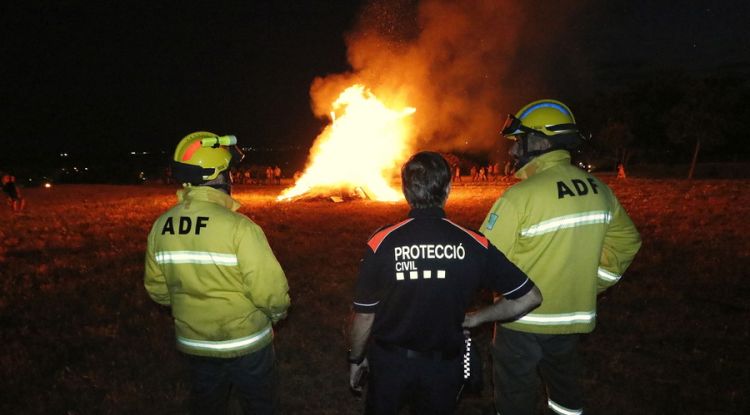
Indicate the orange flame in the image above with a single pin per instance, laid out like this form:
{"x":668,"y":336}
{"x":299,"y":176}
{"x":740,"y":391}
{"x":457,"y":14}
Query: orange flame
{"x":361,"y":150}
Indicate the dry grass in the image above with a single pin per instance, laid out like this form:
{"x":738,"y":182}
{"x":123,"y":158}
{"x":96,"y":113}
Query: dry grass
{"x":80,"y":336}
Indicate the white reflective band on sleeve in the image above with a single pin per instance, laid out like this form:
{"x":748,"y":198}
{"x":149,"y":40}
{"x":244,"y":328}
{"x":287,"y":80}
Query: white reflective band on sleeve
{"x":517,"y":288}
{"x":561,"y":409}
{"x":567,"y":221}
{"x":195,"y":257}
{"x":553,"y":319}
{"x":227,"y":344}
{"x":366,"y":305}
{"x":607,"y":276}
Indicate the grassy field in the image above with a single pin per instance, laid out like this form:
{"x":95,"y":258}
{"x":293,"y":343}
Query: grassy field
{"x":80,"y":336}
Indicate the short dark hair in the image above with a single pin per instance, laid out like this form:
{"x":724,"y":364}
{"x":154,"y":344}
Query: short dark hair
{"x":425,"y":179}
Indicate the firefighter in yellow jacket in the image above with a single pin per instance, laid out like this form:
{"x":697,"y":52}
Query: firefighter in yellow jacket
{"x":567,"y":231}
{"x":215,"y":269}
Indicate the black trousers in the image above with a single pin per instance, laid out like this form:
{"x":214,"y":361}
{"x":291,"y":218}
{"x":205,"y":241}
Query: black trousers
{"x":253,"y":378}
{"x":428,"y":386}
{"x":517,"y":357}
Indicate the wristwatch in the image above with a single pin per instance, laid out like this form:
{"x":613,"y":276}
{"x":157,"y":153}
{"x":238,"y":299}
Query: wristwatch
{"x":354,"y":360}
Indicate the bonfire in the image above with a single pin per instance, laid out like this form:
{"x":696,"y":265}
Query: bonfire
{"x":359,"y":153}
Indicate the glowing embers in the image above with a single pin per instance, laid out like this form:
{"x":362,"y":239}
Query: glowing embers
{"x":360,"y":151}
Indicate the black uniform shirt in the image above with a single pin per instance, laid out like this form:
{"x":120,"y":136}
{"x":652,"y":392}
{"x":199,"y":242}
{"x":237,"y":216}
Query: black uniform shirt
{"x":420,"y":275}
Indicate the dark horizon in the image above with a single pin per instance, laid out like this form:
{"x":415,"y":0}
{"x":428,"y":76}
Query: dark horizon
{"x":99,"y":80}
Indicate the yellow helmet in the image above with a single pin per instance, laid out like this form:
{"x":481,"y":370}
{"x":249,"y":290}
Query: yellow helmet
{"x":201,"y":156}
{"x":547,"y":116}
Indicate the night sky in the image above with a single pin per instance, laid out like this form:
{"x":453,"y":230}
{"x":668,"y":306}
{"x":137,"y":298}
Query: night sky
{"x":103,"y":77}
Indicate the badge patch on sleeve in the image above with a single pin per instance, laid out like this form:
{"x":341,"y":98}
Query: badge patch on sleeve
{"x":491,"y":221}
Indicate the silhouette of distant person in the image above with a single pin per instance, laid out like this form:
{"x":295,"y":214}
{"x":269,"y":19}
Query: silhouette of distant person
{"x":277,"y":175}
{"x":15,"y":200}
{"x":482,"y":174}
{"x":621,"y":171}
{"x":496,"y":171}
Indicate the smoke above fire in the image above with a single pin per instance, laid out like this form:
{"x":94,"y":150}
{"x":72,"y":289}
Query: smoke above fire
{"x":438,"y":75}
{"x":463,"y":65}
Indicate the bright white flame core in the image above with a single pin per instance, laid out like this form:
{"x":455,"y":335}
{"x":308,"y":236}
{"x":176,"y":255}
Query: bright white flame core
{"x":363,"y":148}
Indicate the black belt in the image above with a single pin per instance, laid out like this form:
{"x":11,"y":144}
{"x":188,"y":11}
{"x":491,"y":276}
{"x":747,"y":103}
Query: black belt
{"x":416,"y":354}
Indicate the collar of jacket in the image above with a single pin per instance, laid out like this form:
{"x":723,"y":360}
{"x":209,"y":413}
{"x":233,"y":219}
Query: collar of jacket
{"x":434,"y":212}
{"x":543,"y":162}
{"x":208,"y":194}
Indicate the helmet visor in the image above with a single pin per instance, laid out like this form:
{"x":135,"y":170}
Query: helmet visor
{"x":513,"y":127}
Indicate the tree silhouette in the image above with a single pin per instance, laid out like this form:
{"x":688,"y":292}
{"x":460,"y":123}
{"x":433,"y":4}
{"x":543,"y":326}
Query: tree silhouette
{"x":702,"y":117}
{"x":618,"y":140}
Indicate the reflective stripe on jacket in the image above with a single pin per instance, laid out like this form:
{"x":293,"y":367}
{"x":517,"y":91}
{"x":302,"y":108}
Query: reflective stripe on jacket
{"x":568,"y":232}
{"x":215,"y":268}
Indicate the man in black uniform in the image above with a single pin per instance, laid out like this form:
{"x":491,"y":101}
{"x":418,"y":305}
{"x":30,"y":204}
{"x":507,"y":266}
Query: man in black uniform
{"x":415,"y":282}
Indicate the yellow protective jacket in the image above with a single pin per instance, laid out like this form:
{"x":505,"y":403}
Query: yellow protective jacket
{"x":215,"y":268}
{"x":567,"y":231}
